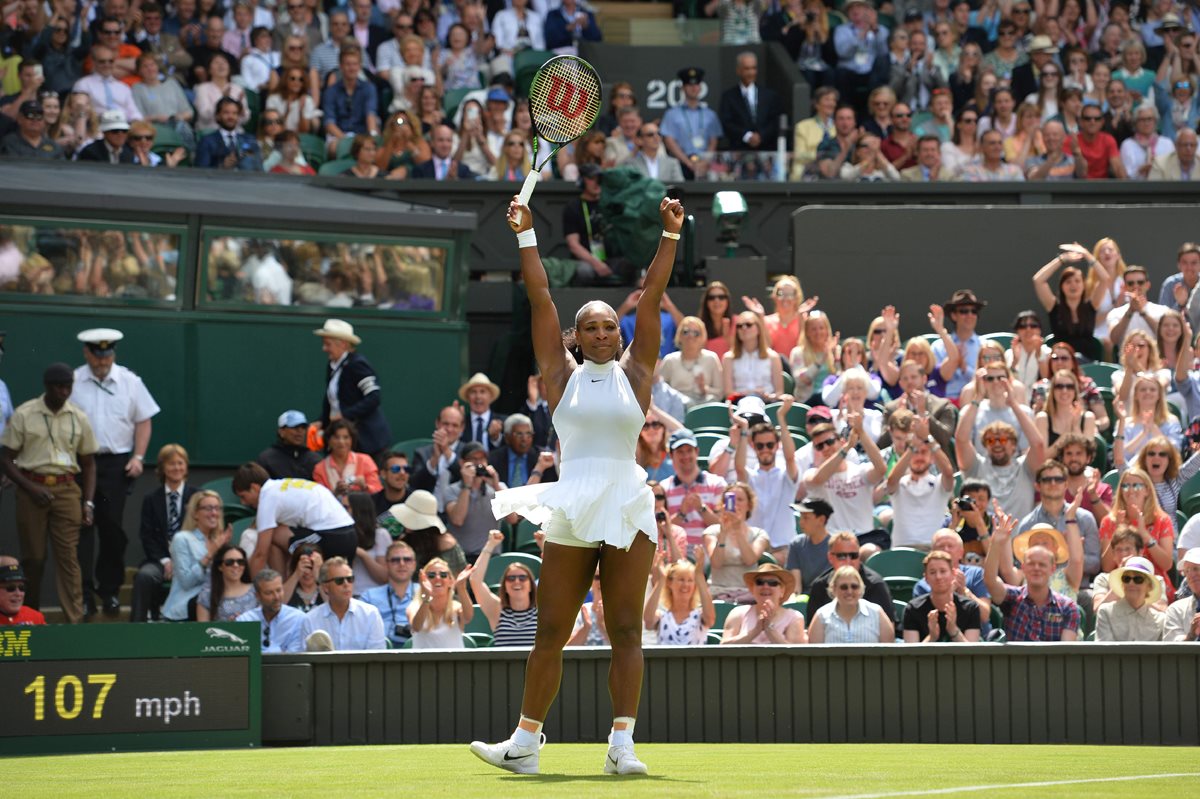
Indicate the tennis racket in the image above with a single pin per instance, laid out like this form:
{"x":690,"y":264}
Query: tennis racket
{"x":564,"y":101}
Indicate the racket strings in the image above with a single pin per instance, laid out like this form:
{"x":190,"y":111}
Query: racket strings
{"x":564,"y":99}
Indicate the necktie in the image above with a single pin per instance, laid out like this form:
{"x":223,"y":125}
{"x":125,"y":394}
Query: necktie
{"x":230,"y":142}
{"x":441,"y":169}
{"x":479,"y":436}
{"x":518,"y":475}
{"x":750,"y":102}
{"x":108,"y":95}
{"x":172,"y":512}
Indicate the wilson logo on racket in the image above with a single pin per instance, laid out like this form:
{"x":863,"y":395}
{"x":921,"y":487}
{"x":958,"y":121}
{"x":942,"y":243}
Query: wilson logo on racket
{"x":569,"y":90}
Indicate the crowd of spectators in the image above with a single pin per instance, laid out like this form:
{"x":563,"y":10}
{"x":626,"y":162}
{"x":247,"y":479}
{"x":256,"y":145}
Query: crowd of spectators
{"x":997,"y":90}
{"x":1043,"y":477}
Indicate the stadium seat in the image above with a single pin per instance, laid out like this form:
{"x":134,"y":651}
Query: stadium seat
{"x":410,"y":446}
{"x":996,"y":617}
{"x":705,"y":441}
{"x":708,"y":414}
{"x":336,"y":167}
{"x":452,"y":99}
{"x":797,"y":417}
{"x":714,"y":637}
{"x":498,"y":563}
{"x":898,"y":608}
{"x":1112,"y":478}
{"x":346,"y":142}
{"x":469,"y":642}
{"x":234,"y":509}
{"x":1003,"y":339}
{"x":313,"y":148}
{"x":522,"y":538}
{"x":1100,"y":372}
{"x":1101,"y":460}
{"x":167,"y":140}
{"x":479,"y":623}
{"x":800,"y":606}
{"x":722,"y":609}
{"x":901,"y":587}
{"x":898,"y":562}
{"x":767,"y":557}
{"x":477,"y":640}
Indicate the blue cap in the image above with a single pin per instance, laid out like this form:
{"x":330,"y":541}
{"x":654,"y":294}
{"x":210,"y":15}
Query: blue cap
{"x":292,"y":419}
{"x":498,"y":95}
{"x":683,"y":437}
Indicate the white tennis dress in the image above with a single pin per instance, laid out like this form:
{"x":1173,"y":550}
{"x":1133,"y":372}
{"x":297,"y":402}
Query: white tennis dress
{"x":601,"y":490}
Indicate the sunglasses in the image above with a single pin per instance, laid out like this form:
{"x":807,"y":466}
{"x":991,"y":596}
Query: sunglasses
{"x":272,"y":121}
{"x":432,"y":575}
{"x":690,"y":333}
{"x":901,"y":116}
{"x":718,"y":297}
{"x":341,"y":580}
{"x":848,"y":587}
{"x":1158,"y":454}
{"x":786,"y":295}
{"x":1060,"y":356}
{"x":402,"y":559}
{"x":1091,"y":118}
{"x":742,"y":325}
{"x":764,"y":445}
{"x":516,"y":578}
{"x":652,"y":424}
{"x":991,"y":378}
{"x":13,"y":588}
{"x":1029,"y":326}
{"x":208,"y":508}
{"x":1135,"y":579}
{"x":234,"y":562}
{"x":968,"y":310}
{"x":142,"y":137}
{"x":1136,"y":283}
{"x":402,"y":27}
{"x":1058,"y":478}
{"x":767,"y":581}
{"x":104,"y":61}
{"x":845,"y":555}
{"x":1133,"y":487}
{"x":989,"y":441}
{"x":64,"y":30}
{"x":396,"y":469}
{"x":1064,"y":386}
{"x":821,"y":445}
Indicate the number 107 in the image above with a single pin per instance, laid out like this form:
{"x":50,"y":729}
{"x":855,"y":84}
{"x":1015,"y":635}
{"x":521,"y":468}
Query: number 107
{"x":70,"y":707}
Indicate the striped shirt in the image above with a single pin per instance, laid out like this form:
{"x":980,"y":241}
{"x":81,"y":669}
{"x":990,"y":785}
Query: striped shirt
{"x":862,"y":629}
{"x":516,"y":627}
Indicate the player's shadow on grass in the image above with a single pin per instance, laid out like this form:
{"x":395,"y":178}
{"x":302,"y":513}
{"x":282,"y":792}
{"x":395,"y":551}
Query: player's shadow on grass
{"x":551,"y":779}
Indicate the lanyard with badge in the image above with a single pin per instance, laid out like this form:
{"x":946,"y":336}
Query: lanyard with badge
{"x":60,"y":457}
{"x":697,"y":135}
{"x":596,"y":246}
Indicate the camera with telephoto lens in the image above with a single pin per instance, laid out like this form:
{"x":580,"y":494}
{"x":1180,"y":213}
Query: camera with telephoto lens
{"x":965,"y":503}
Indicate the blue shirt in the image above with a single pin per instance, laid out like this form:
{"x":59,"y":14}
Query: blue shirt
{"x":349,"y":111}
{"x":393,"y":609}
{"x":282,"y":633}
{"x":966,"y":370}
{"x":691,"y":128}
{"x":666,"y":346}
{"x":360,"y":628}
{"x":858,"y":55}
{"x":6,"y":406}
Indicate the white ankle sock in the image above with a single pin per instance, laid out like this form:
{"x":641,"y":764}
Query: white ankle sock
{"x":527,"y":738}
{"x":622,"y":737}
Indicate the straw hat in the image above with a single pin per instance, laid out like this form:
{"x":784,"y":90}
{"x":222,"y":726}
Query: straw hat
{"x":1135,"y":565}
{"x":418,"y":512}
{"x":479,"y":379}
{"x":772,"y":570}
{"x":1020,"y":544}
{"x":336,"y":328}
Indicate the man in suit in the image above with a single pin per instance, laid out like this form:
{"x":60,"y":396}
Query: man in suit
{"x":352,"y":390}
{"x":300,"y":23}
{"x":366,"y":29}
{"x":442,"y":166}
{"x":519,"y":462}
{"x":113,"y":145}
{"x":1181,"y":164}
{"x":480,"y":423}
{"x":442,"y":455}
{"x":651,"y":157}
{"x":928,"y":168}
{"x":750,"y":114}
{"x":173,"y":59}
{"x":1026,"y":78}
{"x":163,"y":512}
{"x":225,"y":148}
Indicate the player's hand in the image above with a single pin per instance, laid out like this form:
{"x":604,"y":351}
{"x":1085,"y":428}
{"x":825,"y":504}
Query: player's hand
{"x":671,"y":212}
{"x":519,"y":218}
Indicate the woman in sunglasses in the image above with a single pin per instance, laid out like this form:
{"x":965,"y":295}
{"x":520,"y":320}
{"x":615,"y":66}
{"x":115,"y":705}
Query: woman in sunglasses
{"x":850,"y":619}
{"x":1132,"y":617}
{"x":1147,"y":418}
{"x":1168,"y":471}
{"x":767,"y":621}
{"x":436,"y":617}
{"x":752,"y":367}
{"x":1065,"y":411}
{"x":1139,"y":356}
{"x":1125,"y":543}
{"x":193,"y":551}
{"x":693,"y":370}
{"x":717,"y":318}
{"x":512,"y":613}
{"x":1028,"y":351}
{"x":229,"y":593}
{"x":679,"y":608}
{"x":1062,"y":356}
{"x":1136,"y":506}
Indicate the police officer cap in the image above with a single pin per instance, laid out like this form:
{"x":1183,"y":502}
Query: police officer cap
{"x":101,"y":340}
{"x":690,"y":75}
{"x":58,"y":374}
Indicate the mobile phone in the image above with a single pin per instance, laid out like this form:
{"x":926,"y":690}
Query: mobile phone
{"x":38,"y":72}
{"x":730,"y":502}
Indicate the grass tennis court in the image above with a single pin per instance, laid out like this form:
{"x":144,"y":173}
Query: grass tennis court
{"x":573,"y":770}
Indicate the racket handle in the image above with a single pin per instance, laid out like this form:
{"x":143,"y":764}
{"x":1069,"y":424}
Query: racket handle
{"x":527,"y":190}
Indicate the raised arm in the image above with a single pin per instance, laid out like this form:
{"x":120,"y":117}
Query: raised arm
{"x":642,"y":352}
{"x":555,"y":363}
{"x":964,"y":445}
{"x":489,"y":603}
{"x":991,"y":564}
{"x":1041,"y":283}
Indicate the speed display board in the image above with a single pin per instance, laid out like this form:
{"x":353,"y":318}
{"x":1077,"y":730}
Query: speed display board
{"x":130,"y":686}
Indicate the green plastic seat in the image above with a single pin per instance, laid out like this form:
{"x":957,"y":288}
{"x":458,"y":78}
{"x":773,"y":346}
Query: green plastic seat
{"x":901,"y":587}
{"x":313,"y":148}
{"x":708,"y":414}
{"x":498,"y":563}
{"x":797,"y":418}
{"x":714,"y":637}
{"x":898,"y":562}
{"x":410,"y":446}
{"x":800,"y":606}
{"x":477,"y":640}
{"x":1003,"y":339}
{"x":1100,"y":372}
{"x":234,"y":509}
{"x":722,"y":610}
{"x":337,"y":167}
{"x":1112,"y":478}
{"x":453,"y":98}
{"x":479,"y":623}
{"x":1101,"y":460}
{"x":523,"y":540}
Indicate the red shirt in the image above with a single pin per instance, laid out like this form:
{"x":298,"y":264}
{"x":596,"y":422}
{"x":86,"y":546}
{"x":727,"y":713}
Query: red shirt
{"x":1098,"y":153}
{"x":892,"y":150}
{"x":25,"y":615}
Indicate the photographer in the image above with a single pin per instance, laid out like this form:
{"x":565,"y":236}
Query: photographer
{"x":970,"y":518}
{"x":392,"y":600}
{"x":466,"y":504}
{"x":225,"y":148}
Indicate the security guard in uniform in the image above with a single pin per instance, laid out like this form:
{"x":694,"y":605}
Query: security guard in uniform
{"x":120,"y":408}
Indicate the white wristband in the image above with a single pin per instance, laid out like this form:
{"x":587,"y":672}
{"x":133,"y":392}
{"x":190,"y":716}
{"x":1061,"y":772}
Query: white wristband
{"x":669,"y":235}
{"x":526,"y":238}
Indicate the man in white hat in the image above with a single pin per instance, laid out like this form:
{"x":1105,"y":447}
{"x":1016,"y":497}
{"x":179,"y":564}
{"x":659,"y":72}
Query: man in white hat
{"x":352,"y":389}
{"x":120,"y":408}
{"x":1027,"y":77}
{"x":1183,"y":616}
{"x":774,"y":481}
{"x":482,"y":425}
{"x":113,"y":145}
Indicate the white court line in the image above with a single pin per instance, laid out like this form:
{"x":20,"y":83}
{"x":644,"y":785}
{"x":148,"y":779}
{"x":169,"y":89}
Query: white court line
{"x":1002,"y":786}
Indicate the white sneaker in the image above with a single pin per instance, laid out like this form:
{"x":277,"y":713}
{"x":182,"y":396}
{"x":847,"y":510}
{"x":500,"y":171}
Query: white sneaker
{"x":622,"y":760}
{"x":509,"y":756}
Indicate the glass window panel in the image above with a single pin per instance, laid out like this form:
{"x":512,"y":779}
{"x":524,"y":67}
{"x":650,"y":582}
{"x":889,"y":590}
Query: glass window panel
{"x":325,"y":273}
{"x":53,"y":258}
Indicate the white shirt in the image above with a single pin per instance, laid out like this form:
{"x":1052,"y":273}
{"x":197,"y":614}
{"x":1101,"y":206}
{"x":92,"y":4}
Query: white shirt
{"x":1136,"y":322}
{"x":282,"y":633}
{"x":360,"y":628}
{"x":362,"y":577}
{"x":114,"y":406}
{"x":651,"y":165}
{"x":773,"y":509}
{"x":335,"y":378}
{"x":919,"y":506}
{"x":300,"y":503}
{"x":272,"y":285}
{"x":849,"y":493}
{"x":1189,"y":536}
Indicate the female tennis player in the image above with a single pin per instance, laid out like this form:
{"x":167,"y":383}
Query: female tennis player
{"x":600,"y":511}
